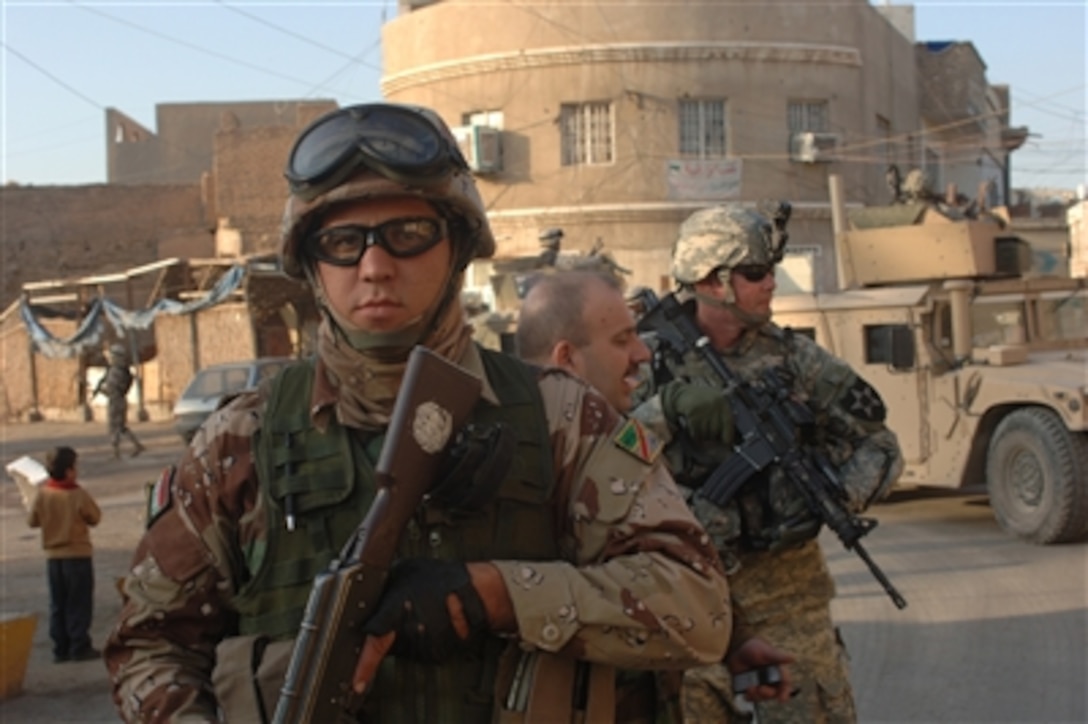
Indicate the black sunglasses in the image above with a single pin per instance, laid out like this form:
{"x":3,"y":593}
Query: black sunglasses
{"x":754,"y":272}
{"x":401,"y":238}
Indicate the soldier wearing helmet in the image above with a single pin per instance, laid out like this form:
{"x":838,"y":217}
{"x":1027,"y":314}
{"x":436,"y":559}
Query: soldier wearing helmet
{"x":115,"y":385}
{"x":551,"y":239}
{"x":552,"y":520}
{"x":724,"y":263}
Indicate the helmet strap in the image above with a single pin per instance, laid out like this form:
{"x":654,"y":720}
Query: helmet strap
{"x":729,"y":301}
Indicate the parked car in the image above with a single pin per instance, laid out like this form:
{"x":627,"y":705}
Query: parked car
{"x":212,"y":385}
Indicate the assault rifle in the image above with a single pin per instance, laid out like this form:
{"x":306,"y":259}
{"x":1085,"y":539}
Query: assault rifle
{"x":766,"y":419}
{"x":435,"y":399}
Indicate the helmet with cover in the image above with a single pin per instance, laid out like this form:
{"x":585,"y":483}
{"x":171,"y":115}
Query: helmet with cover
{"x":723,"y":237}
{"x":381,"y":150}
{"x":550,"y":238}
{"x":118,"y":353}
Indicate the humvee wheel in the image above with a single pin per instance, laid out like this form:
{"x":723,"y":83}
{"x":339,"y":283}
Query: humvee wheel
{"x":1037,"y":477}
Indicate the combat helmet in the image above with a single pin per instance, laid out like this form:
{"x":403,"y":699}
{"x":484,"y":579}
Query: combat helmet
{"x":724,"y":237}
{"x":550,"y":238}
{"x":453,"y":192}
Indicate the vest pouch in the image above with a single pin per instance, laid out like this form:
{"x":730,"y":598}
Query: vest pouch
{"x":308,"y":467}
{"x":248,"y":675}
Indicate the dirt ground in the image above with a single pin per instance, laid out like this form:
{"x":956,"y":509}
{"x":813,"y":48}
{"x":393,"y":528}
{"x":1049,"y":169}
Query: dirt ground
{"x":74,"y":692}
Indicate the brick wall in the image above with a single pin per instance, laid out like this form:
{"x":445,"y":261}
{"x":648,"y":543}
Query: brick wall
{"x":58,"y":232}
{"x":249,"y":186}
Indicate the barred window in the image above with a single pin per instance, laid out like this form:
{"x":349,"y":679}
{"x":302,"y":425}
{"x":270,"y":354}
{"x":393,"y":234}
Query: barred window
{"x":586,"y":130}
{"x":809,"y":116}
{"x":702,"y":128}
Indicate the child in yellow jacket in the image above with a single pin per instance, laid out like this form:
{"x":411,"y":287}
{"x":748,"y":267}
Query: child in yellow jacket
{"x":65,"y":511}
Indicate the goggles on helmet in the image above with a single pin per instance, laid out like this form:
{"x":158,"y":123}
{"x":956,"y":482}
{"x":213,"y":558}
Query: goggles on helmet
{"x":397,"y":142}
{"x":401,"y":238}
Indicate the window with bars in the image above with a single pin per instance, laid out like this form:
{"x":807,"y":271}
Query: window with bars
{"x":702,"y":128}
{"x":586,"y":130}
{"x":809,"y":116}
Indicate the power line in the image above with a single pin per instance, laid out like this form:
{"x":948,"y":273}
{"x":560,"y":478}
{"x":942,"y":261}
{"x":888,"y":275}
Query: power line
{"x":52,"y":77}
{"x":191,"y":46}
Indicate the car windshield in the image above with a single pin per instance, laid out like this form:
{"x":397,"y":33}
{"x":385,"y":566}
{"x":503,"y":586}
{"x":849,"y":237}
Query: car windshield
{"x":215,"y":382}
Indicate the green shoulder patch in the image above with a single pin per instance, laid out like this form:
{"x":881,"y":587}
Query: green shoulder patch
{"x":159,"y":495}
{"x":637,"y":440}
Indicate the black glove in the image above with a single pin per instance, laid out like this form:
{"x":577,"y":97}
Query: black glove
{"x":414,"y":606}
{"x":700,"y":410}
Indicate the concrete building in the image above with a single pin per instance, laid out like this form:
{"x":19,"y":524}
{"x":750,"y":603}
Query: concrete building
{"x":615,"y":122}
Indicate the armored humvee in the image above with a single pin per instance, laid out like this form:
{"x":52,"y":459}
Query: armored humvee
{"x":984,"y":369}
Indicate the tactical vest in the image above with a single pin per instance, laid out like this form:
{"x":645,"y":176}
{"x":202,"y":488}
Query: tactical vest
{"x":329,"y":479}
{"x":768,"y":512}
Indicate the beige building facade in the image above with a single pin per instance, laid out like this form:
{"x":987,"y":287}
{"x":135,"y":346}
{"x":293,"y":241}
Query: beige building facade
{"x":617,"y":121}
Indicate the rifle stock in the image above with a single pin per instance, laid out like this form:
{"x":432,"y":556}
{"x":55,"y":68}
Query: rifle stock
{"x":435,"y":399}
{"x":765,"y":420}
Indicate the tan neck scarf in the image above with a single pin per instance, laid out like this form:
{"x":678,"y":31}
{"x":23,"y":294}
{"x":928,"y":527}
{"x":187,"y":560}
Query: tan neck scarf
{"x":367,"y":382}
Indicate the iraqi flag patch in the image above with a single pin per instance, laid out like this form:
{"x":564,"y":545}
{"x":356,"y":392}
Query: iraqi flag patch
{"x":159,"y":495}
{"x":637,"y":440}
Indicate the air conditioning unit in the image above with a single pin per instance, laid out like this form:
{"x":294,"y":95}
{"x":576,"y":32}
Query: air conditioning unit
{"x":812,"y":147}
{"x":481,"y":146}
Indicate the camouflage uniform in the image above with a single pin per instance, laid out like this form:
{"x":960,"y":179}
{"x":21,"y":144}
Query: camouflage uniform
{"x":115,"y":384}
{"x":785,"y":593}
{"x":621,"y":535}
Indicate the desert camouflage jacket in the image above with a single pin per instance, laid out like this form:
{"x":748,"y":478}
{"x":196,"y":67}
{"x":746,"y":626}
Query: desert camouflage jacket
{"x":624,"y":529}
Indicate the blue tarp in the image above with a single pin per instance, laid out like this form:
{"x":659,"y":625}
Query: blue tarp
{"x":89,"y":334}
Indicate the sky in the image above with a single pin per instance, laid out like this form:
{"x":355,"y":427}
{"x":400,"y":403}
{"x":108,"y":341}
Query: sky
{"x":63,"y":62}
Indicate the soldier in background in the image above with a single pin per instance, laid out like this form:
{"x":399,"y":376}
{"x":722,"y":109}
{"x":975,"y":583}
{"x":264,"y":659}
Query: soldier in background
{"x":579,"y":320}
{"x":724,"y":261}
{"x":550,"y":241}
{"x":115,"y":384}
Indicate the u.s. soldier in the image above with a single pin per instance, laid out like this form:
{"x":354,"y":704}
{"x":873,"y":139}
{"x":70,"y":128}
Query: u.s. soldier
{"x":724,"y":261}
{"x":115,"y":385}
{"x":580,"y":552}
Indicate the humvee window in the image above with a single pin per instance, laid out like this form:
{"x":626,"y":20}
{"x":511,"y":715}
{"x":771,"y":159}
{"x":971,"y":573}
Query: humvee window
{"x":809,"y":332}
{"x":890,"y":344}
{"x":998,"y":321}
{"x":1063,"y":317}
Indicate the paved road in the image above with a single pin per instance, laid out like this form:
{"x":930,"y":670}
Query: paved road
{"x":995,"y":630}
